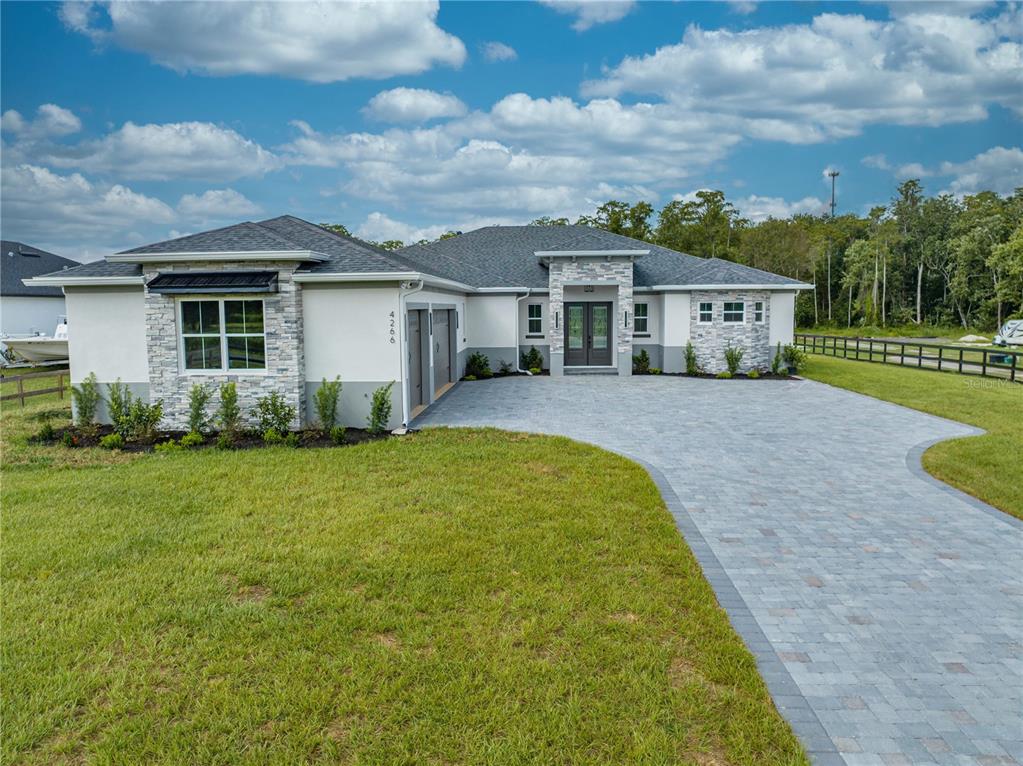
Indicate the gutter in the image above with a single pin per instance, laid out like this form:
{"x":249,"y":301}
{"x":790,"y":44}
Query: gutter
{"x":518,"y":360}
{"x":403,"y":294}
{"x":58,"y":281}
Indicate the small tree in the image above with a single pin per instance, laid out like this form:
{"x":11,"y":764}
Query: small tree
{"x":198,"y":397}
{"x":273,"y":412}
{"x":141,"y":421}
{"x":478,"y":365}
{"x":326,"y":399}
{"x":86,"y":397}
{"x":776,"y":362}
{"x":380,"y":409}
{"x":119,"y":401}
{"x":733,"y":358}
{"x":793,"y":357}
{"x":229,"y":414}
{"x":531,"y":359}
{"x":692,"y":368}
{"x":641,"y":363}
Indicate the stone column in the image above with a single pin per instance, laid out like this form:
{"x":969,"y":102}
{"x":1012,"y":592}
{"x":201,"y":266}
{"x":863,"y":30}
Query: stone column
{"x":556,"y":318}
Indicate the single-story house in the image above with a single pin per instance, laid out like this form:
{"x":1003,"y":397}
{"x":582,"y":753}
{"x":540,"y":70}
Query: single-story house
{"x":281,"y":304}
{"x":29,"y":310}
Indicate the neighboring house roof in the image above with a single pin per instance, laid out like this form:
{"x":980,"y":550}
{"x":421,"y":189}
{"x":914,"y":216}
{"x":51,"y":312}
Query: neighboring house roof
{"x":19,"y":261}
{"x":491,"y":257}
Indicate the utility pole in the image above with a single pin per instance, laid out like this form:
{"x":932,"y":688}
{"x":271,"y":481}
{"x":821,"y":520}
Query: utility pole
{"x":833,"y":174}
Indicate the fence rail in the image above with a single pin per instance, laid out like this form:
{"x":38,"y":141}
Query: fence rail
{"x":22,"y":394}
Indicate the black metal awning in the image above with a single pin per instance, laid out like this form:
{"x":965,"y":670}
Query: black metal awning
{"x":214,"y":282}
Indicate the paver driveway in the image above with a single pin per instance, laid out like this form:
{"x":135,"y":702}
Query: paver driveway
{"x":885,"y":609}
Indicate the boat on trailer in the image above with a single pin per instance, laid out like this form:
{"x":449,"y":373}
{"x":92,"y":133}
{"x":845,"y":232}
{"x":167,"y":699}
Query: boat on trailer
{"x":41,"y":348}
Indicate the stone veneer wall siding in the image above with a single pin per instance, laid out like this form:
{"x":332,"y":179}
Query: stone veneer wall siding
{"x":615,"y":271}
{"x":710,"y":340}
{"x":285,"y":356}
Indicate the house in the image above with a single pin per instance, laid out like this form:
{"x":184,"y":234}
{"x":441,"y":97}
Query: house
{"x":281,"y":304}
{"x":29,"y":310}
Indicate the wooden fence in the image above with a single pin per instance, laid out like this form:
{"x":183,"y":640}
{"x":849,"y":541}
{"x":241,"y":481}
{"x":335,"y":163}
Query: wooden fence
{"x":21,"y":395}
{"x":991,"y":363}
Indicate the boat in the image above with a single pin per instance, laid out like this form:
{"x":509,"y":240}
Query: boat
{"x":1011,"y":333}
{"x":41,"y":348}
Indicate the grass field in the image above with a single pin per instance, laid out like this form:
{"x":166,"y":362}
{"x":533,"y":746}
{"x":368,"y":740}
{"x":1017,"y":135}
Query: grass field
{"x":988,"y":466}
{"x":933,"y":332}
{"x":452,"y":597}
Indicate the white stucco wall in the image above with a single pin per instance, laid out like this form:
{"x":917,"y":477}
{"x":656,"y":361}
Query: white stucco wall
{"x":491,"y":321}
{"x":783,"y":318}
{"x":24,"y":315}
{"x":654,"y":302}
{"x":675,"y":319}
{"x":107,"y":334}
{"x":546,"y":325}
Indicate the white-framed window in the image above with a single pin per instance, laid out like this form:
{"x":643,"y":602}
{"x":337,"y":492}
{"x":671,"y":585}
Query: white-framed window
{"x":758,"y":312}
{"x":535,"y":322}
{"x":734,"y":312}
{"x":640,"y":314}
{"x":706,"y":315}
{"x":222,"y":334}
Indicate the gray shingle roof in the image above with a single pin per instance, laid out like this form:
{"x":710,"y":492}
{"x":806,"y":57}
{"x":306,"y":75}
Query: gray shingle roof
{"x":345,"y":254}
{"x":19,"y":261}
{"x":102,"y":269}
{"x":240,"y":237}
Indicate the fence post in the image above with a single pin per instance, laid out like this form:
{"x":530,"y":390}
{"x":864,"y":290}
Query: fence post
{"x":21,"y":390}
{"x":940,"y":349}
{"x":983,"y":362}
{"x":884,"y":352}
{"x":919,"y":355}
{"x":960,"y":361}
{"x":60,"y":385}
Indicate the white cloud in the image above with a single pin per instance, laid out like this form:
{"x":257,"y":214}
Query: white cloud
{"x":830,"y":78}
{"x":497,"y":51}
{"x":757,"y":208}
{"x":413,"y":105}
{"x":51,"y":120}
{"x":379,"y":227}
{"x":878,"y":161}
{"x":217,"y":204}
{"x":742,"y":7}
{"x":316,"y":41}
{"x":167,"y":151}
{"x":589,"y":13}
{"x":998,"y":169}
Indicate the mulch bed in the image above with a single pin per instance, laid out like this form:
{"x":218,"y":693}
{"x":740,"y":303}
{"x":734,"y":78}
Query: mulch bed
{"x":711,"y":376}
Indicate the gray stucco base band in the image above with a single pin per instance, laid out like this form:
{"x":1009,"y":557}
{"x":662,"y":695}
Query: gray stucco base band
{"x":673,"y":359}
{"x":557,"y":363}
{"x":137,"y":390}
{"x":624,"y":365}
{"x":545,"y":352}
{"x":356,"y":397}
{"x":497,"y":354}
{"x":654,"y":351}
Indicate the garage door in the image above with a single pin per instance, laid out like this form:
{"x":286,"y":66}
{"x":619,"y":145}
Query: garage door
{"x":441,"y":350}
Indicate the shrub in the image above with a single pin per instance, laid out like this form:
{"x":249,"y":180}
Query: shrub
{"x":274,"y":412}
{"x":86,"y":397}
{"x":119,"y":401}
{"x":754,"y":374}
{"x":198,"y":397}
{"x":794,"y":358}
{"x":291,"y":440}
{"x":487,"y":374}
{"x":225,"y":440}
{"x":724,"y":375}
{"x":641,"y":363}
{"x":532,"y":358}
{"x":380,"y":408}
{"x":46,"y":433}
{"x":69,"y":439}
{"x":504,"y":367}
{"x":141,"y":421}
{"x":337,"y":434}
{"x":535,"y":370}
{"x":469,"y":377}
{"x":733,"y":358}
{"x":477,"y":364}
{"x":692,"y":368}
{"x":776,"y":362}
{"x":168,"y":446}
{"x":191,"y":439}
{"x":272,"y":436}
{"x":326,"y":399}
{"x":229,"y":414}
{"x":112,"y":441}
{"x":655,"y":370}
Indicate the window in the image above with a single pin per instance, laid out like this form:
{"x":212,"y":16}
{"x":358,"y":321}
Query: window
{"x":758,"y":312}
{"x":734,"y":312}
{"x":213,"y":331}
{"x":535,"y":325}
{"x":640,"y":312}
{"x":706,"y":312}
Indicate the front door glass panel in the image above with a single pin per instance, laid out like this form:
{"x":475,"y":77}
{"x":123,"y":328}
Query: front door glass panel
{"x":576,"y":326}
{"x":598,"y":320}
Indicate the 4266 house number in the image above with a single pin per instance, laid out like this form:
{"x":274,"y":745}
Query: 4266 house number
{"x":393,"y":329}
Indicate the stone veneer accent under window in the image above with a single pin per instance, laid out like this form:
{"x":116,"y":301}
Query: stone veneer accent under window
{"x":710,"y":340}
{"x":596,"y":271}
{"x":282,"y":324}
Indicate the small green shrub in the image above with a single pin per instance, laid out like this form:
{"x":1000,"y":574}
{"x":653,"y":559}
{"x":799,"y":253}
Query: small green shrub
{"x":504,"y":367}
{"x":86,"y":397}
{"x":141,"y":421}
{"x":326,"y":399}
{"x":532,"y":358}
{"x":487,"y":374}
{"x":272,"y":437}
{"x":754,"y":374}
{"x":469,"y":377}
{"x":192,"y":439}
{"x":119,"y":400}
{"x":724,"y":375}
{"x":168,"y":446}
{"x":733,"y":358}
{"x":272,"y":411}
{"x":793,"y":357}
{"x":69,"y":439}
{"x":291,"y":440}
{"x":198,"y":397}
{"x":477,"y":364}
{"x":641,"y":363}
{"x":380,"y":408}
{"x":535,"y":370}
{"x":229,"y":414}
{"x":692,"y":368}
{"x":112,"y":441}
{"x":337,"y":434}
{"x":776,"y":362}
{"x":46,"y":433}
{"x":655,"y":370}
{"x":225,"y":440}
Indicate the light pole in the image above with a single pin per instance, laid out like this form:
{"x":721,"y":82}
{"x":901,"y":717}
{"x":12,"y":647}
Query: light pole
{"x":833,"y":174}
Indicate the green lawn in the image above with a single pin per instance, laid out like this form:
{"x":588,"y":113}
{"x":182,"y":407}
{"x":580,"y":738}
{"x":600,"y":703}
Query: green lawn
{"x":935,"y":333}
{"x":445,"y":598}
{"x":985,"y":466}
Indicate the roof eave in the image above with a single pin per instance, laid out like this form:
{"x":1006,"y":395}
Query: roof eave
{"x":219,"y":255}
{"x":381,"y":276}
{"x":588,"y":253}
{"x":61,"y":281}
{"x":735,"y":286}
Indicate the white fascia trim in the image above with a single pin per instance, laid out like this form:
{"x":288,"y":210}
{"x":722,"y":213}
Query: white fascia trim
{"x":587,"y":253}
{"x":383,"y":276}
{"x":743,"y":286}
{"x":512,"y":290}
{"x":58,"y":281}
{"x":220,"y":255}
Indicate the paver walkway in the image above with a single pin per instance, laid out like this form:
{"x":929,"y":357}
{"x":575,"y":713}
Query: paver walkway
{"x":885,"y":609}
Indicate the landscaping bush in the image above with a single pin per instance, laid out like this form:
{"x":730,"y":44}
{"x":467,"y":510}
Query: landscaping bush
{"x":504,"y":367}
{"x":641,"y":363}
{"x":198,"y":397}
{"x":112,"y":441}
{"x":776,"y":362}
{"x":380,"y":408}
{"x":754,"y":373}
{"x":531,"y":359}
{"x":487,"y":374}
{"x":469,"y":377}
{"x":192,"y":439}
{"x":291,"y":440}
{"x":326,"y":399}
{"x":168,"y":446}
{"x":69,"y":439}
{"x":337,"y":434}
{"x":733,"y":358}
{"x":272,"y":437}
{"x":273,"y":412}
{"x":692,"y":368}
{"x":793,"y":357}
{"x":535,"y":371}
{"x":46,"y":433}
{"x":724,"y":375}
{"x":477,"y":364}
{"x":229,"y":414}
{"x":86,"y":397}
{"x":225,"y":440}
{"x":655,"y":370}
{"x":119,"y":401}
{"x":141,"y":421}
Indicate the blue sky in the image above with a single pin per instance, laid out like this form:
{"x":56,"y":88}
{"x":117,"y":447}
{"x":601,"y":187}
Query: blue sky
{"x":126,"y":123}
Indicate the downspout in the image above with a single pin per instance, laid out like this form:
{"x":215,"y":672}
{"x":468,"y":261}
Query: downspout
{"x":518,"y":359}
{"x":403,"y":350}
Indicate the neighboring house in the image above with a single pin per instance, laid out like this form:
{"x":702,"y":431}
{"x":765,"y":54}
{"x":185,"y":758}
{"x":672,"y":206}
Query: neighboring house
{"x":281,"y":304}
{"x":29,"y":310}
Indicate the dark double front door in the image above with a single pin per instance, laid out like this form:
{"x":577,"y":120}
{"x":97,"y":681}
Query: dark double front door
{"x":587,"y":334}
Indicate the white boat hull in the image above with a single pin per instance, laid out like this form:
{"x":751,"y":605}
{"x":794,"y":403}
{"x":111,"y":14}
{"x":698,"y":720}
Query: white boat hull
{"x":38,"y":349}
